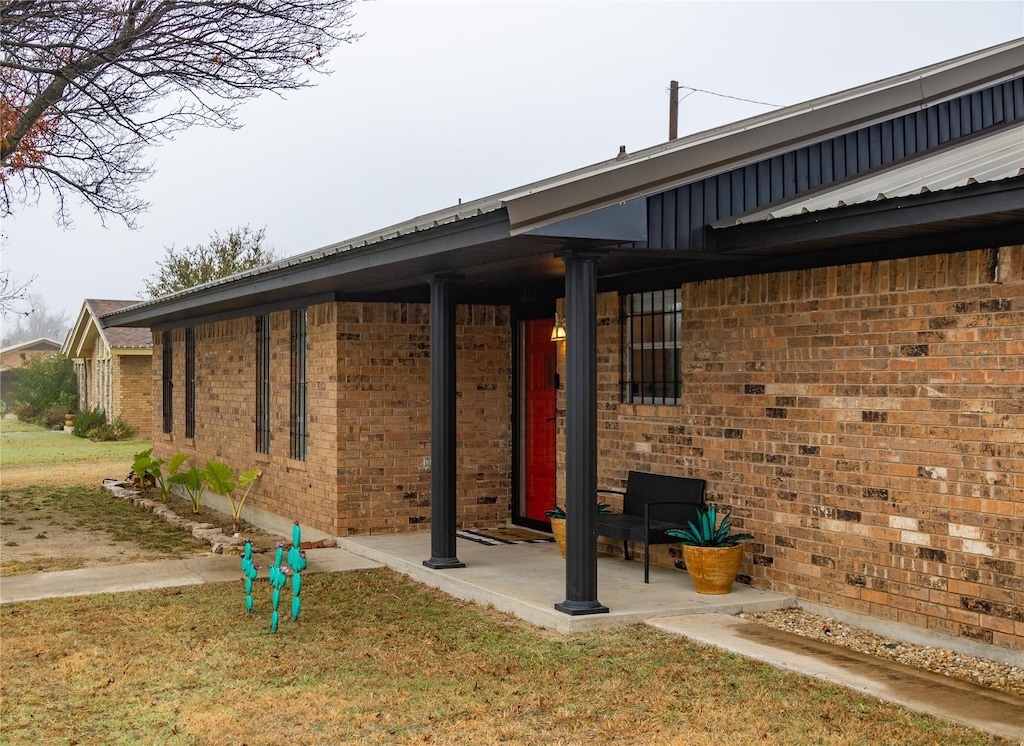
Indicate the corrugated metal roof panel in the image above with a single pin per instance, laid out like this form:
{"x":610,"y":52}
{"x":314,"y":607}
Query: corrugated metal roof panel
{"x":661,"y":166}
{"x":990,"y":158}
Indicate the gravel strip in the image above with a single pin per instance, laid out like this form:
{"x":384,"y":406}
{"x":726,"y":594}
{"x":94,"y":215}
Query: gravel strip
{"x":979,"y":671}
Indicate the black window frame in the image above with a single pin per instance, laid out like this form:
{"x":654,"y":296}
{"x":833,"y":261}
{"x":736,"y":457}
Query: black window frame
{"x":652,"y":364}
{"x":263,"y":384}
{"x":167,"y":383}
{"x":298,"y":426}
{"x":190,"y":382}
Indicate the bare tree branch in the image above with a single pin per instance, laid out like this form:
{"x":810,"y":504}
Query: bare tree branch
{"x":11,"y":293}
{"x":86,"y":84}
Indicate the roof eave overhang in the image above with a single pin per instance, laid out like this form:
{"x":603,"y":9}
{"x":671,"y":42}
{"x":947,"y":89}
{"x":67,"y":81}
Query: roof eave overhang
{"x":312,"y":277}
{"x":857,"y":223}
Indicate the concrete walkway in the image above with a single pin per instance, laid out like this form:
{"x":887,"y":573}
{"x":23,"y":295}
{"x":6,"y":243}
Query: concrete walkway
{"x":983,"y":709}
{"x":918,"y":690}
{"x":140,"y":576}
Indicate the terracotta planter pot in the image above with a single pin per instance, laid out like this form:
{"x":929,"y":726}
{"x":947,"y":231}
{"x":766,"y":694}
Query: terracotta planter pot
{"x":713,"y":569}
{"x":558,"y":530}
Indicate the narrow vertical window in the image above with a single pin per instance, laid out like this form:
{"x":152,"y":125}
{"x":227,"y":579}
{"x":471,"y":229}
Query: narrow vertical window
{"x":263,"y":384}
{"x":167,"y":382}
{"x":298,"y":422}
{"x":190,"y":383}
{"x":652,"y":347}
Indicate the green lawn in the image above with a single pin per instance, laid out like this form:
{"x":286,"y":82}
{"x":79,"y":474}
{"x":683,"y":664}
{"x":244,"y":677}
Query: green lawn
{"x":23,"y":444}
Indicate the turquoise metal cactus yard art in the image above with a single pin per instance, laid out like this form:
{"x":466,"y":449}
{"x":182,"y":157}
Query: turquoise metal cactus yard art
{"x":278,"y":577}
{"x":250,"y":569}
{"x":278,"y":573}
{"x":297,"y":559}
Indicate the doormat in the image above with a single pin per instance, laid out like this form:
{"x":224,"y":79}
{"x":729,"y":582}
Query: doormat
{"x":498,"y":536}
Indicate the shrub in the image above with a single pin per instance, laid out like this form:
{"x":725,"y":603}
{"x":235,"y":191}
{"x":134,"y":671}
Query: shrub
{"x":53,"y":417}
{"x":43,"y":383}
{"x":85,"y":422}
{"x":116,"y":430}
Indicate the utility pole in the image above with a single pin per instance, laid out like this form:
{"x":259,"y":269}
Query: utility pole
{"x":673,"y":110}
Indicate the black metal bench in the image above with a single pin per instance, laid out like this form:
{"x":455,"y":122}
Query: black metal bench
{"x":652,"y":504}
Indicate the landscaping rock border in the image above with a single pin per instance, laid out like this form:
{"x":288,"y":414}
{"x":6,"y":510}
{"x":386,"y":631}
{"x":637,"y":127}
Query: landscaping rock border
{"x":220,"y":542}
{"x":991,"y":674}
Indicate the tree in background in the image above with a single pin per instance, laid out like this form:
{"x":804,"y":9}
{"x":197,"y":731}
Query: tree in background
{"x":85,"y":85}
{"x":241,"y":249}
{"x":11,"y":293}
{"x":38,"y":322}
{"x":47,"y":389}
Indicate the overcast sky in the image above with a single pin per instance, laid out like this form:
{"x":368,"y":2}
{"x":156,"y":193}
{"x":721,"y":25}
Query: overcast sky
{"x":442,"y":101}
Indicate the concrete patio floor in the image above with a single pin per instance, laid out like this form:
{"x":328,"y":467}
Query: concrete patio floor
{"x":527,"y":580}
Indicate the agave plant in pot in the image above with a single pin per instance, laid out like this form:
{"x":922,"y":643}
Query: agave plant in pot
{"x":711,"y":552}
{"x":557,"y":517}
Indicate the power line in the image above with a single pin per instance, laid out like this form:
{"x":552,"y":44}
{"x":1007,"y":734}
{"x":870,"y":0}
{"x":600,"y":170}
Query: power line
{"x":723,"y":95}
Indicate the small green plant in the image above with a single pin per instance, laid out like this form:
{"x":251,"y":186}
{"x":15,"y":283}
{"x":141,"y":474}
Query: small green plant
{"x":559,"y":512}
{"x":705,"y":533}
{"x":193,"y":480}
{"x":150,"y":470}
{"x":87,"y":421}
{"x":116,"y":430}
{"x":221,"y":479}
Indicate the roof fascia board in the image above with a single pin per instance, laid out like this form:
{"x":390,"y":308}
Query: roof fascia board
{"x":86,"y":334}
{"x":764,"y":136}
{"x":262,"y":309}
{"x":72,"y":346}
{"x":625,"y":222}
{"x":470,"y":232}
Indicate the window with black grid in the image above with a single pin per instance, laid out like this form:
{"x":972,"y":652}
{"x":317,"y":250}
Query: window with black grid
{"x":652,"y":357}
{"x":190,"y":383}
{"x":298,"y":422}
{"x":167,"y":382}
{"x":263,"y":384}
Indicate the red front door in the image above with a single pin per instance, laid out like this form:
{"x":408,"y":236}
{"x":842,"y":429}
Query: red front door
{"x":539,"y":381}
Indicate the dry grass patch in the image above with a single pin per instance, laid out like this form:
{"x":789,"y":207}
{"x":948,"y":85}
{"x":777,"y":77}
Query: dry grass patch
{"x":43,"y":529}
{"x":376,"y":658}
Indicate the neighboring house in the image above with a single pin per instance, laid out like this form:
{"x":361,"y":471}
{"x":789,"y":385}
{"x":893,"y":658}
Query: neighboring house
{"x":114,"y":365}
{"x":819,"y":310}
{"x":13,"y":356}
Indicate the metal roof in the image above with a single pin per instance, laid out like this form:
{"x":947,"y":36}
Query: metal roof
{"x":991,"y":157}
{"x":526,"y":211}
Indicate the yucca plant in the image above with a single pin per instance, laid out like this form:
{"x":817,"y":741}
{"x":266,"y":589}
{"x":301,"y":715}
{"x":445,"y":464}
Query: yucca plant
{"x":708,"y":532}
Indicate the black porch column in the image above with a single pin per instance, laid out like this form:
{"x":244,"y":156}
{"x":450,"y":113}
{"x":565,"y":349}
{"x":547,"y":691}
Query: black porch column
{"x":581,"y":435}
{"x":442,"y":424}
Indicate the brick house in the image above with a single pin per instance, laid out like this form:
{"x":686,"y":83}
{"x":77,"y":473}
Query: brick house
{"x":14,"y":356}
{"x":113,"y":365}
{"x":819,"y":310}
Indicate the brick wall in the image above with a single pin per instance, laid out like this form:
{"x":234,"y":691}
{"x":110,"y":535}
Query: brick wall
{"x":369,"y":414}
{"x":384,"y":416}
{"x":131,"y":391}
{"x":864,"y":422}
